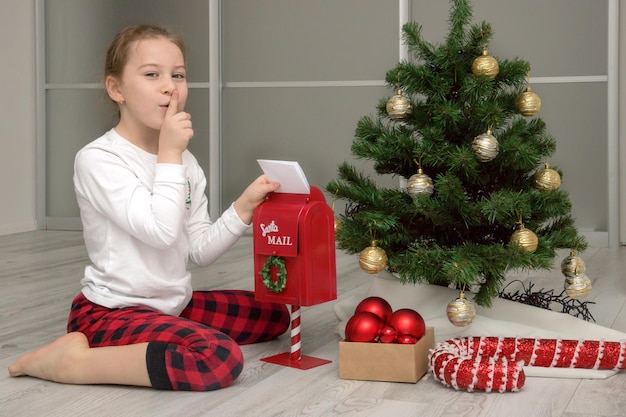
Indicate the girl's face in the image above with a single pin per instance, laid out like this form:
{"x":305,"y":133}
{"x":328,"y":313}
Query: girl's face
{"x":155,"y":68}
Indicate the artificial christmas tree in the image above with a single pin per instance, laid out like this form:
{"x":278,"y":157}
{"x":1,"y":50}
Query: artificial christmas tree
{"x":456,"y":117}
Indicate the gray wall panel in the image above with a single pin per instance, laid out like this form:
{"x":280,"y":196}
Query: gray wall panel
{"x":318,"y":41}
{"x":297,"y":40}
{"x":575,"y":115}
{"x":79,"y":31}
{"x":314,"y":126}
{"x":557,"y":37}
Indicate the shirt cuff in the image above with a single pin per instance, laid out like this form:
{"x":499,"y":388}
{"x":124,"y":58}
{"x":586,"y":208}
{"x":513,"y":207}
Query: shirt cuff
{"x":234,"y":222}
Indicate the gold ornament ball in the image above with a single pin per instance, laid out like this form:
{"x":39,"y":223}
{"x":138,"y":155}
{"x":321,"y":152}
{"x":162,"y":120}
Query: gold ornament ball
{"x":420,"y":184}
{"x":577,"y":286}
{"x":337,"y":224}
{"x":372,"y":259}
{"x":573,"y":265}
{"x":547,"y":179}
{"x":461,"y":312}
{"x":398,"y":106}
{"x":485,"y":146}
{"x":528,"y":103}
{"x":485,"y":65}
{"x":525,"y":239}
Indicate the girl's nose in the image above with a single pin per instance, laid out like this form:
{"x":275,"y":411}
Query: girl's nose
{"x":168,"y":87}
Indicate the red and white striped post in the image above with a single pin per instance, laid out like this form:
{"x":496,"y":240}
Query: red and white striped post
{"x":294,"y":357}
{"x":296,"y":345}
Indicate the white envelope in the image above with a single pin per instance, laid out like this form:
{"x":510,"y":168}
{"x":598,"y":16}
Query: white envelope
{"x":288,"y":173}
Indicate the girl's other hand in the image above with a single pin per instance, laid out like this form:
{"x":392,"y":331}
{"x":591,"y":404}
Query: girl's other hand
{"x":253,"y":196}
{"x":176,"y":132}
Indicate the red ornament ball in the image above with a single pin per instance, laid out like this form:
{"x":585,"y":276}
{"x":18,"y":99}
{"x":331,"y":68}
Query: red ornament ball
{"x":407,"y":339}
{"x":388,"y":334}
{"x":407,"y":322}
{"x":376,"y":305}
{"x":363,"y":327}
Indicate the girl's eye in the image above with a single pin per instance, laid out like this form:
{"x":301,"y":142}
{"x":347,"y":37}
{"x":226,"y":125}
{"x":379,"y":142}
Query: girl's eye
{"x":179,"y":76}
{"x":151,"y":74}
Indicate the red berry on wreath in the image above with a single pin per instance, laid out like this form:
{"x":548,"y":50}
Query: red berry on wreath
{"x":376,"y":305}
{"x":408,"y":322}
{"x":363,"y":327}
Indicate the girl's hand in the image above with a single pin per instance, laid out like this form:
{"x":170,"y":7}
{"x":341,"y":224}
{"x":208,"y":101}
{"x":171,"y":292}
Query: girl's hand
{"x":253,"y":196}
{"x":176,"y":132}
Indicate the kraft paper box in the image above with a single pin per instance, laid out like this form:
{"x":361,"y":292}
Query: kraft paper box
{"x":391,"y":362}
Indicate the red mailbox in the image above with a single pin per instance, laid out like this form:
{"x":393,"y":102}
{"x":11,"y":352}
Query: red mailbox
{"x":294,"y":245}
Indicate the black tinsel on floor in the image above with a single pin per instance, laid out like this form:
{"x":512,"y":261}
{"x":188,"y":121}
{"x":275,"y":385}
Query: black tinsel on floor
{"x":546,"y":299}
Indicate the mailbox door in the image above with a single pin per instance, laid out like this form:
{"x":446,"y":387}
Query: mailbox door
{"x":317,"y":241}
{"x":275,"y":233}
{"x":276,"y":229}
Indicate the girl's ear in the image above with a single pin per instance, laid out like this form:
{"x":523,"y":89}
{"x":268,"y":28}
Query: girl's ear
{"x":114,"y":91}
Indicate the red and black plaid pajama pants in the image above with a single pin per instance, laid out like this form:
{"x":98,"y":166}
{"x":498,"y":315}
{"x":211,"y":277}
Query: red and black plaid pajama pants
{"x":197,"y":351}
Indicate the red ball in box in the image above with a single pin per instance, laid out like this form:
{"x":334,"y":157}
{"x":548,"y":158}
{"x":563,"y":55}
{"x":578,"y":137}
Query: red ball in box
{"x":376,"y":305}
{"x":407,"y":339}
{"x":363,"y":327}
{"x":407,"y":322}
{"x":388,"y":334}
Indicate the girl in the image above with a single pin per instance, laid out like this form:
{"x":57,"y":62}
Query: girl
{"x":144,"y":214}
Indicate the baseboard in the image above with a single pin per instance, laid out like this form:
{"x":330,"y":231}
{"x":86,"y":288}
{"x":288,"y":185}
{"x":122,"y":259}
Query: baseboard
{"x":11,"y":228}
{"x":63,"y":223}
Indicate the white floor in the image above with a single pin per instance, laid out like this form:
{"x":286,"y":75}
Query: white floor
{"x":40,"y":273}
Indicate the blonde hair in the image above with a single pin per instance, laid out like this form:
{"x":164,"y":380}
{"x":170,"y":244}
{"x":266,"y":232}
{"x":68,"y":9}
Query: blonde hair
{"x":118,"y":52}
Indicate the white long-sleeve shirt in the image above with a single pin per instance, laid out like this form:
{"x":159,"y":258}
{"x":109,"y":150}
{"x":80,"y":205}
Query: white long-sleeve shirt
{"x":142,"y":223}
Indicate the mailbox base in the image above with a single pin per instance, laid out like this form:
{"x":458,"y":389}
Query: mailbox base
{"x":304,"y":362}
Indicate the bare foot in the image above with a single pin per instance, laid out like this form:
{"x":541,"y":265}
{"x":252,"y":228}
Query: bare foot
{"x":53,"y":362}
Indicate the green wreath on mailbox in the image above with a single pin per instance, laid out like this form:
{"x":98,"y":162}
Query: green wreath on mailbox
{"x":271,"y":284}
